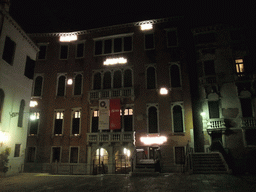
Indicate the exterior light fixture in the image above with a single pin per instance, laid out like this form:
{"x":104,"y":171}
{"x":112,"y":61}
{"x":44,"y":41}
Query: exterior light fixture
{"x":146,"y":27}
{"x":3,"y":138}
{"x":153,"y":140}
{"x":202,"y":114}
{"x":33,"y":103}
{"x":68,"y":38}
{"x":70,"y":81}
{"x":127,"y":152}
{"x":164,"y":91}
{"x":32,"y":117}
{"x":115,"y":61}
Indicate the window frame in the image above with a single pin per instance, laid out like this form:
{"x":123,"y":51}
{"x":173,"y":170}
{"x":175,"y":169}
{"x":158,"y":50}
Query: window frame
{"x":78,"y":153}
{"x":74,"y":83}
{"x":14,"y":51}
{"x":64,"y":44}
{"x":183,"y":117}
{"x":37,"y":132}
{"x":17,"y":153}
{"x":52,"y":153}
{"x":174,"y":155}
{"x":237,"y":66}
{"x":77,"y":43}
{"x":129,"y":107}
{"x":178,"y":65}
{"x":177,"y":41}
{"x":27,"y":159}
{"x":57,"y":85}
{"x":91,"y":116}
{"x":54,"y":118}
{"x":39,"y":45}
{"x":148,"y":66}
{"x":74,"y":110}
{"x":34,"y":83}
{"x":154,"y":43}
{"x":157,"y":110}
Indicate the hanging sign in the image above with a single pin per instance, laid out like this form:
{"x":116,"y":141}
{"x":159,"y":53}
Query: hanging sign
{"x":104,"y":114}
{"x":115,"y":121}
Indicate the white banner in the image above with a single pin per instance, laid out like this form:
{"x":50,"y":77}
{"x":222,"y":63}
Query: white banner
{"x":104,"y":114}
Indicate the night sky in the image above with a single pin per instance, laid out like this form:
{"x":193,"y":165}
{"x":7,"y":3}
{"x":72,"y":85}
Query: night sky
{"x":53,"y":16}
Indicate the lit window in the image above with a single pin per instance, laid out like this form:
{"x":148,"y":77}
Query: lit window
{"x":76,"y":123}
{"x":239,"y":67}
{"x":128,"y":119}
{"x":59,"y":115}
{"x":58,"y":124}
{"x":33,"y":103}
{"x":34,"y":123}
{"x":95,"y":121}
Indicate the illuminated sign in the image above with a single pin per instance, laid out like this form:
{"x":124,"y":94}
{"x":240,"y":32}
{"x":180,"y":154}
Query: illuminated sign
{"x":153,"y":140}
{"x":68,"y":38}
{"x":115,"y":61}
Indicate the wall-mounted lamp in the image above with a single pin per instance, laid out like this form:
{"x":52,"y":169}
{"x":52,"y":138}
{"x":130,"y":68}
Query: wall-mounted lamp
{"x":164,"y":91}
{"x":70,"y":81}
{"x":149,"y":140}
{"x":202,"y":114}
{"x":3,"y":138}
{"x":33,"y":103}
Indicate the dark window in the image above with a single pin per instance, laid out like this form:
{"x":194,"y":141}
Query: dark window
{"x":55,"y":154}
{"x":246,"y":105}
{"x":175,"y":76}
{"x":9,"y":50}
{"x":108,"y":46}
{"x":128,"y":78}
{"x":127,"y":43}
{"x":42,"y":52}
{"x":21,"y":113}
{"x":63,"y":51}
{"x":171,"y":38}
{"x":95,"y":121}
{"x":17,"y":150}
{"x":179,"y":155}
{"x":98,"y":47}
{"x":1,"y":102}
{"x":31,"y":154}
{"x":78,"y":85}
{"x":250,"y":136}
{"x":209,"y":68}
{"x":177,"y":119}
{"x":149,"y":41}
{"x":76,"y":122}
{"x":117,"y":79}
{"x":38,"y":86}
{"x":152,"y":120}
{"x":74,"y":155}
{"x":128,"y":119}
{"x":34,"y":124}
{"x":58,"y":122}
{"x":118,"y":45}
{"x":29,"y":68}
{"x":80,"y":50}
{"x":61,"y":86}
{"x":107,"y":80}
{"x":213,"y":109}
{"x":205,"y":38}
{"x":151,"y":78}
{"x":97,"y":81}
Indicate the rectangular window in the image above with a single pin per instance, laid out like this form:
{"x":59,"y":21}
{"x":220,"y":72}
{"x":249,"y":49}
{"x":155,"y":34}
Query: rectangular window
{"x":213,"y":109}
{"x":42,"y":52}
{"x":63,"y":51}
{"x":128,"y":119}
{"x":34,"y":123}
{"x":95,"y":121}
{"x":76,"y":123}
{"x":117,"y":45}
{"x":9,"y":50}
{"x":80,"y":50}
{"x":98,"y":47}
{"x":239,"y":67}
{"x":250,"y":136}
{"x":149,"y":41}
{"x":179,"y":155}
{"x":74,"y":155}
{"x":172,"y":38}
{"x":17,"y":150}
{"x":29,"y":68}
{"x":246,"y":105}
{"x":55,"y":154}
{"x":31,"y":154}
{"x":58,"y":123}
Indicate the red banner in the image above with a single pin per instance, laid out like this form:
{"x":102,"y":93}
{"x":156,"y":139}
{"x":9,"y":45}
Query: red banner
{"x":115,"y":119}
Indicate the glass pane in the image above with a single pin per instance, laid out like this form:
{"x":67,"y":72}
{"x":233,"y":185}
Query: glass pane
{"x":118,"y":45}
{"x":108,"y":46}
{"x":177,"y":119}
{"x":98,"y":47}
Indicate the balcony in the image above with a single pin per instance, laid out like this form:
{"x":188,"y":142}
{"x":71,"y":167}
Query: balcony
{"x":110,"y":137}
{"x":111,"y":93}
{"x":249,"y":122}
{"x":216,"y":124}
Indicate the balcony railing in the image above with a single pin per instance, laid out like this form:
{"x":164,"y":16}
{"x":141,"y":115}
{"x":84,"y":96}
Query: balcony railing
{"x":108,"y":137}
{"x":209,"y":79}
{"x":249,"y":122}
{"x":216,"y":124}
{"x":111,"y":93}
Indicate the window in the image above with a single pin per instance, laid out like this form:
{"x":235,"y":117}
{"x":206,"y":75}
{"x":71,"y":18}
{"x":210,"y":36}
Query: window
{"x":76,"y":121}
{"x":107,"y":80}
{"x":34,"y":123}
{"x":9,"y":50}
{"x":58,"y":123}
{"x":128,"y":78}
{"x":61,"y":85}
{"x":179,"y":155}
{"x":56,"y":154}
{"x":78,"y":84}
{"x":152,"y":119}
{"x":175,"y":75}
{"x":128,"y":119}
{"x":31,"y":154}
{"x":38,"y":85}
{"x":250,"y":136}
{"x":117,"y":79}
{"x":63,"y":51}
{"x":17,"y":150}
{"x":151,"y":78}
{"x":209,"y":68}
{"x":29,"y":68}
{"x":95,"y":121}
{"x":213,"y":109}
{"x":149,"y":41}
{"x":97,"y":81}
{"x":172,"y":38}
{"x":21,"y":113}
{"x":113,"y":45}
{"x":205,"y":38}
{"x":177,"y":116}
{"x":73,"y":155}
{"x":1,"y":103}
{"x":42,"y":52}
{"x":246,"y":105}
{"x":239,"y":67}
{"x":79,"y":50}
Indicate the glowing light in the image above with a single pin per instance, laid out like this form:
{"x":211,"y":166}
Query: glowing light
{"x":70,"y":81}
{"x":147,"y":26}
{"x":202,"y":114}
{"x":164,"y":91}
{"x":33,"y":103}
{"x":68,"y":38}
{"x":32,"y":117}
{"x":3,"y":137}
{"x":153,"y":140}
{"x":115,"y":61}
{"x":127,"y":152}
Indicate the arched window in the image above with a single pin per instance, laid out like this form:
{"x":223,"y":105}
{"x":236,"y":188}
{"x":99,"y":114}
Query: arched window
{"x":97,"y":81}
{"x":1,"y":102}
{"x":152,"y":120}
{"x":117,"y":79}
{"x":128,"y":78}
{"x":151,"y":78}
{"x":61,"y":86}
{"x":78,"y":85}
{"x":177,"y":119}
{"x":107,"y":80}
{"x":175,"y":76}
{"x":21,"y":113}
{"x":38,"y":86}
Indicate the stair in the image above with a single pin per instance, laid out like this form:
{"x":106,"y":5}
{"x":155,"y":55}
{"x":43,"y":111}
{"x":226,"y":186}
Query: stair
{"x":145,"y":168}
{"x":214,"y":163}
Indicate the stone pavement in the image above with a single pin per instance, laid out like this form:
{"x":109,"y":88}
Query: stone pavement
{"x":36,"y":182}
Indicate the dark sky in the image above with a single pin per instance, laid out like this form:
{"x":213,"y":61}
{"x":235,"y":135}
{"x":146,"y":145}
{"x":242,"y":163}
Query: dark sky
{"x":58,"y":16}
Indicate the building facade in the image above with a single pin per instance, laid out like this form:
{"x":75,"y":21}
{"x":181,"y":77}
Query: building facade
{"x":17,"y":56}
{"x":103,"y":96}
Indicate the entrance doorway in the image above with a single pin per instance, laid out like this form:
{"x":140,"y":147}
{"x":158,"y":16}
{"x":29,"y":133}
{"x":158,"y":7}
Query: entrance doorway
{"x":216,"y":141}
{"x":122,"y":161}
{"x":100,"y":161}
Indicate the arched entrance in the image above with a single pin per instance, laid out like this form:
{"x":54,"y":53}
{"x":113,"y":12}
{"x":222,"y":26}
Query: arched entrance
{"x":100,"y":161}
{"x":122,"y":161}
